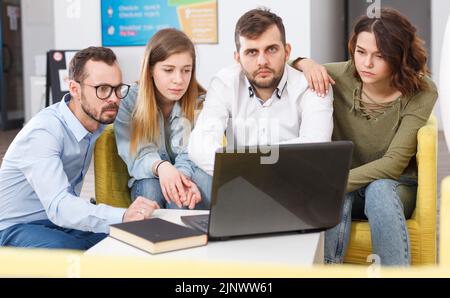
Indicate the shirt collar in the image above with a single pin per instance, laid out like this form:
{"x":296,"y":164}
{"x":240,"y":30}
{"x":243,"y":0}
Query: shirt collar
{"x":278,"y":91}
{"x":75,"y":126}
{"x":176,"y":111}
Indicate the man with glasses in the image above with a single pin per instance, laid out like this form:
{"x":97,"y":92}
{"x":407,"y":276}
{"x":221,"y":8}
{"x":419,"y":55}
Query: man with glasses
{"x":43,"y":170}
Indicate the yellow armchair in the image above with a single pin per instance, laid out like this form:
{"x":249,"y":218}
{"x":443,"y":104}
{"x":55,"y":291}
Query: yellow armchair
{"x":111,"y":174}
{"x":422,"y":224}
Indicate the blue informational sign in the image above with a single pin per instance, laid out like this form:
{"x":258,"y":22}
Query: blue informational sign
{"x":134,"y":22}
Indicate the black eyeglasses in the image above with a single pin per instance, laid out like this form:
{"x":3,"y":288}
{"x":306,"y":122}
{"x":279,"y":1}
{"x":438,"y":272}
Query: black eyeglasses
{"x":104,"y":91}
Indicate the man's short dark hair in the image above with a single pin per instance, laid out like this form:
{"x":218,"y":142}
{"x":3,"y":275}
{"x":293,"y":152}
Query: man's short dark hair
{"x":76,"y":67}
{"x":255,"y":22}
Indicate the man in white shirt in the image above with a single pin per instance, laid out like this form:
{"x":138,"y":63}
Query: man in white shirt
{"x":260,"y":100}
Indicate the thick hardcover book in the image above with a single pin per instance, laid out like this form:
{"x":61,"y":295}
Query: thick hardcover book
{"x":156,"y":235}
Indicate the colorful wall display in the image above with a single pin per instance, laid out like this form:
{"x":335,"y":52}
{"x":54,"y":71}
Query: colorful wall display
{"x":133,"y":22}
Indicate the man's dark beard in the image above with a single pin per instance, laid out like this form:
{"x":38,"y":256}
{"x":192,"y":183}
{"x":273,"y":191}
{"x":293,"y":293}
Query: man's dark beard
{"x":272,"y":84}
{"x":269,"y":85}
{"x":88,"y":111}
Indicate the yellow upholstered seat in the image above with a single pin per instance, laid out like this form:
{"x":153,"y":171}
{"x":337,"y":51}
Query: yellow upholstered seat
{"x":422,"y":224}
{"x":111,"y":174}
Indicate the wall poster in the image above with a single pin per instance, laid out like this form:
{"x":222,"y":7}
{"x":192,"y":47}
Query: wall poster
{"x":133,"y":22}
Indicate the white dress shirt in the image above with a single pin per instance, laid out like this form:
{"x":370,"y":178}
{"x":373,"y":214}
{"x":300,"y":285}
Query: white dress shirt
{"x":294,"y":114}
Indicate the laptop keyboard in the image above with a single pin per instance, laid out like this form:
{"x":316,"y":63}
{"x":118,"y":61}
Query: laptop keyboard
{"x":198,"y":222}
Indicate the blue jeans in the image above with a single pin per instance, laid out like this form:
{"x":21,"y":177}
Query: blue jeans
{"x":45,"y":234}
{"x":151,"y":189}
{"x":385,"y":203}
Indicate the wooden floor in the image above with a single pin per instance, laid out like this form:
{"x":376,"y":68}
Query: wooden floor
{"x":6,"y":138}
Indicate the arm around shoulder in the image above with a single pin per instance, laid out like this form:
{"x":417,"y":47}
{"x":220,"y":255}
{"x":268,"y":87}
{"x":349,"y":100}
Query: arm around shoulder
{"x":317,"y":117}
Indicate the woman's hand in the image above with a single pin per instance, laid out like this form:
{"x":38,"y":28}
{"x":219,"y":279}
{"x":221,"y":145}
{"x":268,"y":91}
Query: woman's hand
{"x":193,"y":195}
{"x":317,"y":76}
{"x":171,"y":181}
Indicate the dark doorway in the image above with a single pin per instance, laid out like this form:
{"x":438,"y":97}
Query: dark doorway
{"x":11,"y":68}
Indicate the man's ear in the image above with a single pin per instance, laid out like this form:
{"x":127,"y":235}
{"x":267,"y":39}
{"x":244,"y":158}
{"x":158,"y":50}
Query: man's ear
{"x":237,"y":57}
{"x":287,"y":49}
{"x":74,"y":89}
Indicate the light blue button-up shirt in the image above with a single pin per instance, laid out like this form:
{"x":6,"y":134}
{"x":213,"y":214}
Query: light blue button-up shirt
{"x":42,"y":174}
{"x":174,"y":137}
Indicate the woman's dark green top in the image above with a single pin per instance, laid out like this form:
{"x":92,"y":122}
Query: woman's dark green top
{"x":385,"y":146}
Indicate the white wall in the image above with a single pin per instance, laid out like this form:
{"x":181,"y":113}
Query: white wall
{"x":328,"y":42}
{"x":296,"y":19}
{"x":77,"y":25}
{"x":312,"y":28}
{"x":440,"y":11}
{"x":37,"y":39}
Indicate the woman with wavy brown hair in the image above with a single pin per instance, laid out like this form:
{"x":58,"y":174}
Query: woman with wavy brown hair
{"x":382,"y":96}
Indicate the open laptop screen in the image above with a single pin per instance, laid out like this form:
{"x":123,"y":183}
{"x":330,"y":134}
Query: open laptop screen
{"x":301,"y":190}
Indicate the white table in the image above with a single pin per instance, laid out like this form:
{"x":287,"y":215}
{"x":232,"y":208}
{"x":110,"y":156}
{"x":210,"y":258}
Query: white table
{"x":287,"y":249}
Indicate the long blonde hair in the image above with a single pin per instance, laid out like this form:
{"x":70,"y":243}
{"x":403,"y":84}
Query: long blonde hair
{"x":145,"y":120}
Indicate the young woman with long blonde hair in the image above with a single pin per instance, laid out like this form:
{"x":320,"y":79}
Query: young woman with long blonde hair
{"x":154,"y":122}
